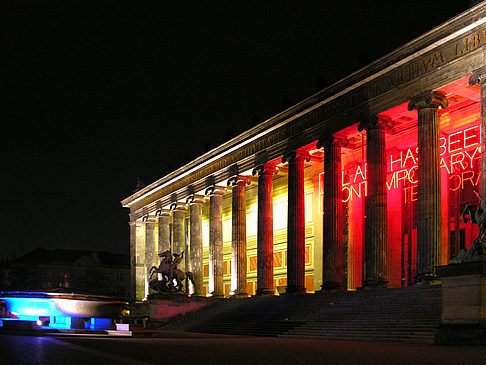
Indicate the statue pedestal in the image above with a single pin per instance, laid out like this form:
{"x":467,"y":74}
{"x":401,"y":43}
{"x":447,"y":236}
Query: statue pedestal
{"x":165,"y":308}
{"x":463,"y":320}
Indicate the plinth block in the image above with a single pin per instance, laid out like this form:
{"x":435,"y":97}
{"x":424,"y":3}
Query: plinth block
{"x":460,"y":335}
{"x":463,"y":319}
{"x":165,"y":308}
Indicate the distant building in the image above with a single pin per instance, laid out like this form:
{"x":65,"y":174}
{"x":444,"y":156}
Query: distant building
{"x":94,"y":272}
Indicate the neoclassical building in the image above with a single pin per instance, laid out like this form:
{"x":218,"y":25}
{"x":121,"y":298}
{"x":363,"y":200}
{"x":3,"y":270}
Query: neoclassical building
{"x":361,"y":184}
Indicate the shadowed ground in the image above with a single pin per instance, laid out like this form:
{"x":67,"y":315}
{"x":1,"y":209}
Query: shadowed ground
{"x":190,"y":348}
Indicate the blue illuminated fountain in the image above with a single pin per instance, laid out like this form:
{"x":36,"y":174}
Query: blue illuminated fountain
{"x":60,"y":310}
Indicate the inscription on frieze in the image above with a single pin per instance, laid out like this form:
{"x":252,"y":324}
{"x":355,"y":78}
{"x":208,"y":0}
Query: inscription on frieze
{"x":408,"y":72}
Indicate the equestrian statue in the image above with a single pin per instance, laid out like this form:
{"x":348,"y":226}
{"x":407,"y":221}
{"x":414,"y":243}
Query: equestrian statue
{"x":172,"y":278}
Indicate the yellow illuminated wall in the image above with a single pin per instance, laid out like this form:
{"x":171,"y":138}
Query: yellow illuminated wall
{"x":280,"y":236}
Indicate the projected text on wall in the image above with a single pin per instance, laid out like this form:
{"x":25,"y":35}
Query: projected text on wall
{"x":460,"y":153}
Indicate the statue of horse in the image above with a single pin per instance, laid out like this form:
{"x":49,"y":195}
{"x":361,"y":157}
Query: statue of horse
{"x":172,"y":277}
{"x":179,"y":276}
{"x":164,"y":267}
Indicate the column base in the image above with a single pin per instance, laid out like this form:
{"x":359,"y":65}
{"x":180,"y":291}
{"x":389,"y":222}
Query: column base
{"x":239,"y":295}
{"x":332,"y":285}
{"x":375,"y":283}
{"x":197,"y":295}
{"x":426,"y":277}
{"x":216,"y":295}
{"x":296,"y":290}
{"x":265,"y":292}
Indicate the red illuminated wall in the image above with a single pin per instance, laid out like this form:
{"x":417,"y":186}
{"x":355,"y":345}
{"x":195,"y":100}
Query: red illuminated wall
{"x":460,"y":154}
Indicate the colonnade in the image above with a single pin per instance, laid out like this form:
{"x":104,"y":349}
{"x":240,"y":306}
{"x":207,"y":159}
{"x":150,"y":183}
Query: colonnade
{"x":426,"y":104}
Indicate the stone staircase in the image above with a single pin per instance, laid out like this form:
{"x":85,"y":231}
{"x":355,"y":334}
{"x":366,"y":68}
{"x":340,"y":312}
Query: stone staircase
{"x":256,"y":316}
{"x":385,"y":315}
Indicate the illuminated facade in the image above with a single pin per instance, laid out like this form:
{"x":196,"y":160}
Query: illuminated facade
{"x":361,"y":184}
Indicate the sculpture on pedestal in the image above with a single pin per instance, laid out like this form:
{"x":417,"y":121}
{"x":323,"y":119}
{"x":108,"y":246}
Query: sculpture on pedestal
{"x":477,"y":251}
{"x":172,"y":278}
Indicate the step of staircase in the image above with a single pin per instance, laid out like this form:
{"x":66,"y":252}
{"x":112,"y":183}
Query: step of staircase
{"x":385,"y":315}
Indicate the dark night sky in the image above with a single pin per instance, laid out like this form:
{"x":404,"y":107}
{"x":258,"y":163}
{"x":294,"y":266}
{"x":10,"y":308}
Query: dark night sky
{"x":99,"y":93}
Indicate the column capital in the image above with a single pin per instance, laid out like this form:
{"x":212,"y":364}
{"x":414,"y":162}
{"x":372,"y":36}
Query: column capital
{"x":331,"y":140}
{"x":150,"y":219}
{"x":374,"y":122}
{"x":195,"y":199}
{"x":478,"y":76}
{"x":292,"y":155}
{"x":428,"y":99}
{"x":178,"y":206}
{"x":265,"y":169}
{"x":215,"y":189}
{"x":239,"y":179}
{"x":160,"y":212}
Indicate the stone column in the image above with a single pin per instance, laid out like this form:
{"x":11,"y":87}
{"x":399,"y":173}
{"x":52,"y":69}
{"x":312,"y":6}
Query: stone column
{"x":375,"y":269}
{"x":428,"y":204}
{"x":333,"y":250}
{"x":479,"y":77}
{"x":178,"y":236}
{"x":196,"y":248}
{"x":296,"y":224}
{"x":238,"y":235}
{"x":164,"y":234}
{"x":216,"y":240}
{"x":141,"y":284}
{"x":150,"y":247}
{"x":133,"y":260}
{"x":265,"y":230}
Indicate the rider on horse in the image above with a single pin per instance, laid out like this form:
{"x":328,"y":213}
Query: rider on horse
{"x":169,"y":271}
